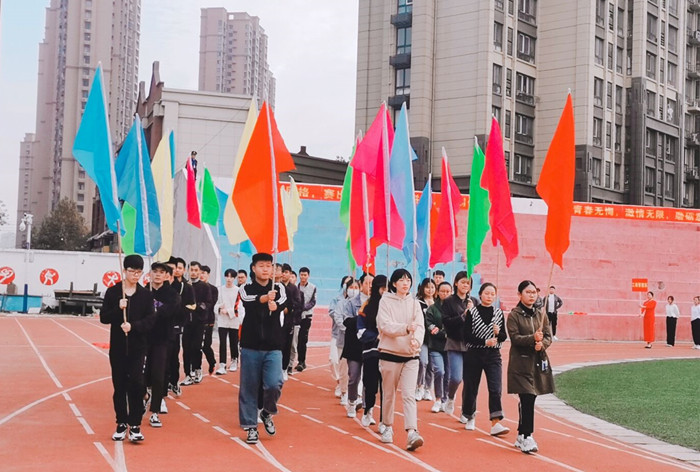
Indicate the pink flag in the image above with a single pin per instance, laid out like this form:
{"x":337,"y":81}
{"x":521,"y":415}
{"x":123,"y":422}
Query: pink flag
{"x":193,"y":217}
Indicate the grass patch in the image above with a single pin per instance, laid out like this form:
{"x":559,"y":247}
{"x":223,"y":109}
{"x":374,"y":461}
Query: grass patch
{"x":657,"y":398}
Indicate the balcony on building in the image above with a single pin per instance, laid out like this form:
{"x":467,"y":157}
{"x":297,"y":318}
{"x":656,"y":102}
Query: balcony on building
{"x":527,"y":17}
{"x":396,"y":101}
{"x":693,"y":36}
{"x":694,"y":5}
{"x":692,"y":105}
{"x":402,"y":20}
{"x":522,"y":178}
{"x":693,"y":70}
{"x":499,"y":5}
{"x":524,"y":139}
{"x":692,"y":139}
{"x":526,"y":57}
{"x":692,"y":174}
{"x":525,"y":98}
{"x":400,"y":61}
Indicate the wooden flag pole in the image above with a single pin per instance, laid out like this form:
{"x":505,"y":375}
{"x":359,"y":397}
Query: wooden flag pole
{"x":549,"y":284}
{"x":121,"y":269}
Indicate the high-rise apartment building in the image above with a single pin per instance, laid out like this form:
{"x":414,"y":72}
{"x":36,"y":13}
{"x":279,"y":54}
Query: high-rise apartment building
{"x":79,"y":35}
{"x":233,"y":55}
{"x":627,"y":63}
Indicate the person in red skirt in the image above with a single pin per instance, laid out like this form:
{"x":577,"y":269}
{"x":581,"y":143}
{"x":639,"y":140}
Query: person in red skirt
{"x":648,"y":311}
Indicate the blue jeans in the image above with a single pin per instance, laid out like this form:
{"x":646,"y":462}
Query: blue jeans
{"x":437,"y":362}
{"x":258,"y":367}
{"x":454,"y":362}
{"x":425,"y":373}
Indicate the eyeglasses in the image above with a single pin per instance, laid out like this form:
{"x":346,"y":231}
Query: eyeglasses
{"x":134,"y":271}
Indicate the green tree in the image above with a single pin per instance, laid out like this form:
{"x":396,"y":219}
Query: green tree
{"x":63,"y":229}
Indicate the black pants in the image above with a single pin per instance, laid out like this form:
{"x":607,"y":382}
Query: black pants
{"x":526,"y":410}
{"x":287,"y":348}
{"x":304,"y":328}
{"x":232,"y":335}
{"x":155,"y":366}
{"x":192,"y":339}
{"x":695,"y":328}
{"x":372,"y":382}
{"x":553,"y":322}
{"x":671,"y":330}
{"x":476,"y":361}
{"x":128,"y":382}
{"x":206,"y":348}
{"x":172,"y":367}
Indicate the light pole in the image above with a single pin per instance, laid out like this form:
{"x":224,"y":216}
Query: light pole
{"x":26,"y":223}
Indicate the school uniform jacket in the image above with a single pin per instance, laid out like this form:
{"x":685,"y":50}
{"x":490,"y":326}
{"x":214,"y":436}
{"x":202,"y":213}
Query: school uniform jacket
{"x":140,"y":313}
{"x":262,"y":329}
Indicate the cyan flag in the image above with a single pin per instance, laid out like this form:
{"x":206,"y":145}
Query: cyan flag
{"x":423,"y":209}
{"x":401,"y":178}
{"x":92,"y":148}
{"x":135,"y":186}
{"x":171,"y":138}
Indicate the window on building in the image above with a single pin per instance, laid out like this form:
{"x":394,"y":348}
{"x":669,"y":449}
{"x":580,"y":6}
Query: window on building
{"x":599,"y":47}
{"x":611,"y":49}
{"x":507,"y":156}
{"x":618,"y":138}
{"x":649,"y":180}
{"x":507,"y":130}
{"x":671,"y":145}
{"x":608,"y":135}
{"x":403,"y":81}
{"x":671,"y":111}
{"x":672,"y":73}
{"x":497,"y":79}
{"x":87,"y":36}
{"x":670,"y":186}
{"x":662,"y":69}
{"x":81,"y":185}
{"x":619,"y":59}
{"x":673,"y":7}
{"x":86,"y":60}
{"x":522,"y":168}
{"x":527,"y":11}
{"x":597,"y":170}
{"x":526,"y":47}
{"x":629,"y":61}
{"x":672,"y":38}
{"x":618,"y":99}
{"x":652,"y":28}
{"x":496,"y":111}
{"x":608,"y":182}
{"x":524,"y":128}
{"x":600,"y":12}
{"x":86,"y":82}
{"x":81,"y":197}
{"x":611,"y":16}
{"x":597,"y":132}
{"x":81,"y":208}
{"x":616,"y":177}
{"x":609,"y":96}
{"x":403,"y":40}
{"x":499,"y":5}
{"x":509,"y":44}
{"x":620,"y":22}
{"x":598,"y":91}
{"x":510,"y":7}
{"x":509,"y":82}
{"x":405,"y":6}
{"x":88,"y":25}
{"x":650,"y":142}
{"x":81,"y":174}
{"x":525,"y":89}
{"x":651,"y":65}
{"x":498,"y":36}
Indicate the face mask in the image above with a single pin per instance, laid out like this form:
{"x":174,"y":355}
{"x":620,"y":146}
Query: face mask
{"x":352,"y":292}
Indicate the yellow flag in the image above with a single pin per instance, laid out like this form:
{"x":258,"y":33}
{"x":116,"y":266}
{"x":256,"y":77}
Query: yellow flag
{"x":232,"y":223}
{"x":161,"y":166}
{"x":291,"y":205}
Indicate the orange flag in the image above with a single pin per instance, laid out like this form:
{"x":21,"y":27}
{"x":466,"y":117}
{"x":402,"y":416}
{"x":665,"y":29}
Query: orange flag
{"x":556,"y":185}
{"x":256,"y":194}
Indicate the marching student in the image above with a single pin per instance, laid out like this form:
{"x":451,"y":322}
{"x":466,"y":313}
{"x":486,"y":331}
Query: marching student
{"x":229,"y":320}
{"x":427,"y":290}
{"x":339,"y":366}
{"x":128,"y":345}
{"x":352,"y":347}
{"x":210,"y":319}
{"x":308,"y":291}
{"x":203,"y":302}
{"x":187,"y":305}
{"x":293,"y":311}
{"x":435,"y":334}
{"x":368,"y":335}
{"x":484,"y":333}
{"x":261,"y":347}
{"x":241,"y":277}
{"x":166,"y":303}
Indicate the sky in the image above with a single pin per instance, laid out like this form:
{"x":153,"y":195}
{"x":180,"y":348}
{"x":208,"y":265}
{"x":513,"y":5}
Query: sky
{"x":312,"y":52}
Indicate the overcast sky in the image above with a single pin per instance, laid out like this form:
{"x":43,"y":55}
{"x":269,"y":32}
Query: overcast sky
{"x":312,"y":46}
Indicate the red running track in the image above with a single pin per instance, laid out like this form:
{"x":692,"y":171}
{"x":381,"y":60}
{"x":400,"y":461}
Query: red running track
{"x":56,"y":414}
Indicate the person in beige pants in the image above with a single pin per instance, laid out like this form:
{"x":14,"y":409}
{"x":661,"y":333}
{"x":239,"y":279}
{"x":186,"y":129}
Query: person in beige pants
{"x":401,"y":330}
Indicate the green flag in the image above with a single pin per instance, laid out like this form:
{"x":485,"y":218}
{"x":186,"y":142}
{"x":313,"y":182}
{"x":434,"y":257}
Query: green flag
{"x":345,"y":214}
{"x":129,"y":217}
{"x":479,"y":205}
{"x":210,"y":203}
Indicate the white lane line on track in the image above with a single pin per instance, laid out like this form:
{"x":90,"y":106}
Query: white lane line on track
{"x":106,"y":455}
{"x":376,"y":446}
{"x":197,"y":415}
{"x":76,"y":412}
{"x":95,"y":325}
{"x":48,"y":397}
{"x":222,"y":380}
{"x":270,"y":458}
{"x":311,"y":418}
{"x":82,"y":339}
{"x":335,"y":428}
{"x":119,"y":457}
{"x":183,"y":405}
{"x":323,"y":388}
{"x":261,"y":453}
{"x":661,"y":460}
{"x":221,"y":430}
{"x":85,"y":424}
{"x":307,"y":383}
{"x":66,"y":396}
{"x":535,"y":456}
{"x":557,"y":432}
{"x":444,"y":427}
{"x":287,"y":408}
{"x":38,"y":354}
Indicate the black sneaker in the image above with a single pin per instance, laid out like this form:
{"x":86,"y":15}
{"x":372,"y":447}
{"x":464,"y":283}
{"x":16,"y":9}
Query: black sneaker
{"x":135,"y":434}
{"x":267,"y":422}
{"x":300,"y":367}
{"x":120,"y":433}
{"x":252,"y":437}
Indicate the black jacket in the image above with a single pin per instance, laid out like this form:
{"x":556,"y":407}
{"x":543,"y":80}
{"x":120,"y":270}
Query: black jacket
{"x":214,"y":294}
{"x":352,"y":348}
{"x":139,"y":313}
{"x":203,"y":300}
{"x":167,"y":304}
{"x":184,"y":289}
{"x":261,"y":329}
{"x":295,"y":305}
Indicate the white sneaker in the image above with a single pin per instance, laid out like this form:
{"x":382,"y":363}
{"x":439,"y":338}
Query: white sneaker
{"x":555,"y":338}
{"x":234,"y":365}
{"x":450,"y":406}
{"x":222,"y":369}
{"x":187,"y":381}
{"x":519,"y":441}
{"x":427,"y":396}
{"x":498,"y":429}
{"x":437,"y":406}
{"x":350,"y":409}
{"x":338,"y":393}
{"x":198,"y":376}
{"x":381,"y":428}
{"x":387,"y":435}
{"x":154,"y":421}
{"x":528,"y":445}
{"x":470,"y":425}
{"x":344,"y":399}
{"x":419,"y":393}
{"x":443,"y":405}
{"x":367,"y":419}
{"x":285,"y":376}
{"x":414,"y":440}
{"x":463,"y":419}
{"x":163,"y":406}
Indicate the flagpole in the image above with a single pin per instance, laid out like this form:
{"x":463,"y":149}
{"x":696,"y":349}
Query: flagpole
{"x":119,"y":251}
{"x":365,"y":216}
{"x":387,"y":188}
{"x":549,"y":284}
{"x":275,"y":196}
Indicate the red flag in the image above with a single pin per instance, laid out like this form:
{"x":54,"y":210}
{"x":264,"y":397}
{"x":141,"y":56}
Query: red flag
{"x":556,"y":185}
{"x":193,"y":217}
{"x":443,"y":245}
{"x":495,"y":180}
{"x":372,"y":157}
{"x":256,"y":193}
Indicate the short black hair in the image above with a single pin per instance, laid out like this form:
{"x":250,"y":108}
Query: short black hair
{"x":230,"y":273}
{"x":277,"y":264}
{"x":439,"y":272}
{"x":525,"y":284}
{"x":305,"y":269}
{"x":133,"y":261}
{"x":243,"y":271}
{"x":552,"y":286}
{"x":294,"y":273}
{"x":261,"y":257}
{"x":286,"y":267}
{"x":397,"y":275}
{"x":206,"y":268}
{"x":195,"y":263}
{"x":364,"y":276}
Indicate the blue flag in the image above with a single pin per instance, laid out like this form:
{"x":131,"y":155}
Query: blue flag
{"x":135,"y":186}
{"x":92,"y":148}
{"x":171,"y":138}
{"x":423,"y":209}
{"x":401,"y":178}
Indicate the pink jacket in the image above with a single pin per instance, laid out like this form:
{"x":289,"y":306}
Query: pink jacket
{"x":393,"y":318}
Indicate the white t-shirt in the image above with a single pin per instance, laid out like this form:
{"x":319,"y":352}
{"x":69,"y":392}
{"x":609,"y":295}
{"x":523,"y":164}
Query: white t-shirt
{"x":227,"y":300}
{"x":695,"y":312}
{"x":672,"y":311}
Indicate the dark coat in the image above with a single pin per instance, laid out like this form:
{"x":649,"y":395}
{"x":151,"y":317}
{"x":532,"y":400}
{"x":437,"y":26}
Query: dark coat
{"x":433,"y":319}
{"x":525,"y":374}
{"x":140,"y":313}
